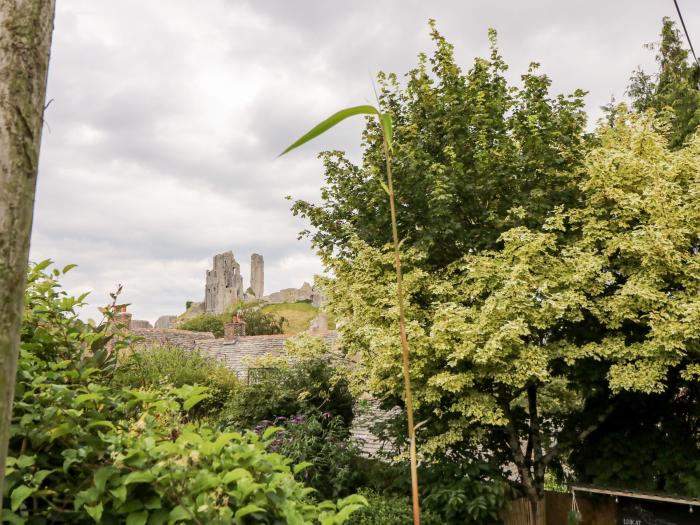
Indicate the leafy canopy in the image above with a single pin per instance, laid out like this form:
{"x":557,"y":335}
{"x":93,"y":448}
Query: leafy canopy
{"x":674,"y":88}
{"x":472,"y":157}
{"x":503,"y":340}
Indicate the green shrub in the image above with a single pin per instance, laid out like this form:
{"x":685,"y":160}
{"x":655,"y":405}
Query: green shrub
{"x":257,"y":321}
{"x":156,"y":366}
{"x":323,"y":441}
{"x":290,"y":389}
{"x":463,"y":492}
{"x":82,"y":450}
{"x":213,"y":323}
{"x":389,"y":509}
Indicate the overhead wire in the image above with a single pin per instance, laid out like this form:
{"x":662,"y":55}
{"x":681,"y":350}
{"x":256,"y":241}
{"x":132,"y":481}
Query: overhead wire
{"x":687,"y":36}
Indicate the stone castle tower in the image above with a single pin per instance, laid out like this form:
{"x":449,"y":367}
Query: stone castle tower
{"x":224,"y":284}
{"x":257,"y":275}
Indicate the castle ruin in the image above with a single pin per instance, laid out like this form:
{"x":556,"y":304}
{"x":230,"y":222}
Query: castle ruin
{"x":224,"y":286}
{"x":257,"y":275}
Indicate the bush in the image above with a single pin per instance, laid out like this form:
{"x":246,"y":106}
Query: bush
{"x":84,"y":451}
{"x":289,"y":389}
{"x":213,"y":323}
{"x":257,"y":322}
{"x":389,"y":509}
{"x":323,"y":441}
{"x":156,"y":366}
{"x":463,"y":492}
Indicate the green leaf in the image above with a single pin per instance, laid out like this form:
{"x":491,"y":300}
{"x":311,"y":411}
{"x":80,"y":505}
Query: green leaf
{"x":137,"y":518}
{"x":138,"y":477}
{"x":330,"y":122}
{"x":158,"y":517}
{"x":269,"y":432}
{"x":384,"y":187}
{"x":387,"y":128}
{"x":106,"y":424}
{"x":40,"y":475}
{"x":301,"y":466}
{"x":193,"y":400}
{"x":25,"y":461}
{"x":68,"y":267}
{"x":119,"y":493}
{"x":247,"y":509}
{"x":79,"y":400}
{"x":95,"y":512}
{"x":177,"y":514}
{"x":101,"y":477}
{"x":235,"y":475}
{"x":19,"y":495}
{"x":12,"y":518}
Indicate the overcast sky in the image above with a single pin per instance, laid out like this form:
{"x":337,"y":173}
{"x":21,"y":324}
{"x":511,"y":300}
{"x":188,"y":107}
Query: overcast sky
{"x":167,"y":116}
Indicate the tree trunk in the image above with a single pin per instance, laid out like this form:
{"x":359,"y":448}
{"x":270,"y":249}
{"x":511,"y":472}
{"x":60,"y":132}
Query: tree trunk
{"x":26,"y":27}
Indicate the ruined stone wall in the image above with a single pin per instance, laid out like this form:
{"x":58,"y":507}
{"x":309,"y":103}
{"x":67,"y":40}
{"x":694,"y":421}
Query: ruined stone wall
{"x":291,"y":295}
{"x":224,"y":284}
{"x":162,"y":336}
{"x":257,"y":275}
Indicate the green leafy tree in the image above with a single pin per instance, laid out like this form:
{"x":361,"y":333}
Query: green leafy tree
{"x":508,"y":343}
{"x":471,"y":155}
{"x":675,"y":87}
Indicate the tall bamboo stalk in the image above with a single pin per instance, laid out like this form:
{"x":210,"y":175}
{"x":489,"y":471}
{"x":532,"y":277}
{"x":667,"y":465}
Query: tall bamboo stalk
{"x":387,"y":137}
{"x":404,"y":340}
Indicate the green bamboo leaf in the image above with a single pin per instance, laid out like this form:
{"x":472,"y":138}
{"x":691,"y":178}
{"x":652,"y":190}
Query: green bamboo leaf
{"x":330,"y":122}
{"x":388,"y":129}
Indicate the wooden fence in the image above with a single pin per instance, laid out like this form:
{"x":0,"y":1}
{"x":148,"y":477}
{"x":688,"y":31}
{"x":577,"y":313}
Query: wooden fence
{"x":594,"y":510}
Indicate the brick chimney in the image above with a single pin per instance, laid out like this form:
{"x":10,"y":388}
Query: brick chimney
{"x":234,"y":328}
{"x":122,"y":317}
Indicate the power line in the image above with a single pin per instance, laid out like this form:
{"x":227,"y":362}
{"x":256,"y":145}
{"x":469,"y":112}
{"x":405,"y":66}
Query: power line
{"x":687,"y":36}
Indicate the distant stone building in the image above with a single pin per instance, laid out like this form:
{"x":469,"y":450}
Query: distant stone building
{"x":257,"y":275}
{"x":140,"y":323}
{"x":291,"y":295}
{"x":224,"y":284}
{"x":166,"y":321}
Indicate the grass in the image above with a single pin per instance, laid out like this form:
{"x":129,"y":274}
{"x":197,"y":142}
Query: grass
{"x":298,"y":315}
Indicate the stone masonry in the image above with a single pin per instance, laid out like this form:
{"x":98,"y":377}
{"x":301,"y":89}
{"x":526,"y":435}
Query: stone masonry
{"x":224,"y":284}
{"x":257,"y":275}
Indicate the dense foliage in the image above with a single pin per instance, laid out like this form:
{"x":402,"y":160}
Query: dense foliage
{"x":288,"y":389}
{"x":85,"y":451}
{"x":511,"y":345}
{"x":472,"y":157}
{"x":258,"y":322}
{"x":154,"y":367}
{"x":674,"y":89}
{"x":323,"y":441}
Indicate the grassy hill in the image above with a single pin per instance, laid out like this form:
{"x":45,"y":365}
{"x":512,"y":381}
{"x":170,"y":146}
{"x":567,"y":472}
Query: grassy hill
{"x":298,"y":315}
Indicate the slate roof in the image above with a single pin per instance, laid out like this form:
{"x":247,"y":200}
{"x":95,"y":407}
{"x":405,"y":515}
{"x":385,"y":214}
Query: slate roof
{"x":238,"y":354}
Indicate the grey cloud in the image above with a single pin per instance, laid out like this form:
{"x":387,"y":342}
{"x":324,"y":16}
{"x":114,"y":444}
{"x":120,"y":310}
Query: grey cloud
{"x":168,"y":117}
